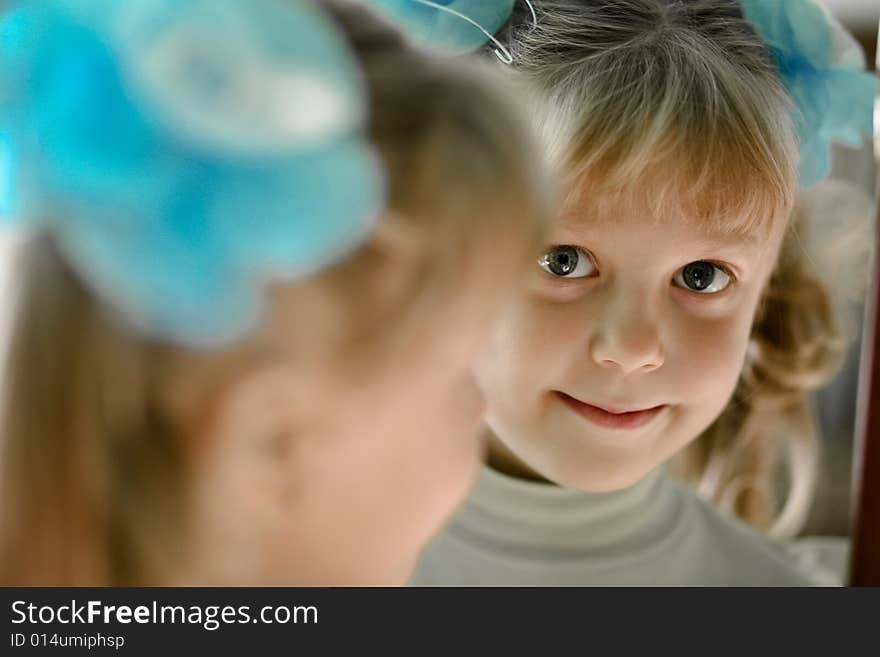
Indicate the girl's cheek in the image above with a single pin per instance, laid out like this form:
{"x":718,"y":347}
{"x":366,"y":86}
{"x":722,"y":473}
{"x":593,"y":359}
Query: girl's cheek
{"x":714,"y":331}
{"x":724,"y":306}
{"x":712,"y":351}
{"x":543,"y":287}
{"x":544,"y":332}
{"x":526,"y":348}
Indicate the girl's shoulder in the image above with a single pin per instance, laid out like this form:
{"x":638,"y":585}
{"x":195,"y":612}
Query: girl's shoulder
{"x":742,"y":556}
{"x":824,"y":558}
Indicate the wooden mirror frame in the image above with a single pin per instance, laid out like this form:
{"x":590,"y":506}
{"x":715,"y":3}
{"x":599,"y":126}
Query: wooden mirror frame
{"x":865,"y":561}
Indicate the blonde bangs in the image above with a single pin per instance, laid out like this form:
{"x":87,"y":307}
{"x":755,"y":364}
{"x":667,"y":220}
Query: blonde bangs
{"x":713,"y":184}
{"x":667,"y":110}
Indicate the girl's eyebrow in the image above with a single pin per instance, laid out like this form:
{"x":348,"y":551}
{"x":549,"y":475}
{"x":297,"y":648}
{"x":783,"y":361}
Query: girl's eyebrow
{"x":579,"y":231}
{"x":740,"y":231}
{"x":739,"y":235}
{"x":739,"y":240}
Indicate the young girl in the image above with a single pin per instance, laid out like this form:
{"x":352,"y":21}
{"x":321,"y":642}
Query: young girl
{"x":671,"y":311}
{"x":151,"y":436}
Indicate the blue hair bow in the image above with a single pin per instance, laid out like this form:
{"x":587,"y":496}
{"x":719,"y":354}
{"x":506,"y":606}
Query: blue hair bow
{"x":457,"y":26}
{"x":834,"y":97}
{"x":185,"y":152}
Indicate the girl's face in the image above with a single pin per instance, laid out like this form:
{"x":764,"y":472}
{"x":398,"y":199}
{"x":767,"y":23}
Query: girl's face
{"x":337,"y":476}
{"x":626,"y":343}
{"x":387,"y":459}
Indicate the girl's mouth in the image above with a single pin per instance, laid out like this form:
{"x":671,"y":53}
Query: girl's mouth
{"x":609,"y":417}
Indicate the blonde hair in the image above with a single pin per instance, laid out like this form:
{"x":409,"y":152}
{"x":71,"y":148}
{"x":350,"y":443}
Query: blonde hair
{"x":683,"y":98}
{"x":95,"y":459}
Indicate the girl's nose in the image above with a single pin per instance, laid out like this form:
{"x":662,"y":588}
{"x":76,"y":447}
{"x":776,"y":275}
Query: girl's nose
{"x":628,"y":341}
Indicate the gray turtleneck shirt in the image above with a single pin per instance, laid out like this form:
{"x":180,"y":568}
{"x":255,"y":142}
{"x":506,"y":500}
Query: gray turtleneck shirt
{"x":657,"y":532}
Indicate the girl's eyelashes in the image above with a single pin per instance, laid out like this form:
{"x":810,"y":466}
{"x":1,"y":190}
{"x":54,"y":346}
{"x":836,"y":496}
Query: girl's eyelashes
{"x":703,"y":277}
{"x":567,"y":262}
{"x":572,"y":262}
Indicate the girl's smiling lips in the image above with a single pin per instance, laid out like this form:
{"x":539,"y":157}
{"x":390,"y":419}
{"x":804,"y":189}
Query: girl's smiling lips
{"x":611,"y":417}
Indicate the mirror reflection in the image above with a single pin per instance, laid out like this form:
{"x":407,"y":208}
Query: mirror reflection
{"x":388,"y":292}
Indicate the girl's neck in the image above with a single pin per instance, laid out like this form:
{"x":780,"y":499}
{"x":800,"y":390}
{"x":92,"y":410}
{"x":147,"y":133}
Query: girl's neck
{"x":501,"y":459}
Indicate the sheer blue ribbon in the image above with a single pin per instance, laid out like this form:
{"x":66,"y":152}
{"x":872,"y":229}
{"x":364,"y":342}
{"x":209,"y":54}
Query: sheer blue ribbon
{"x":456,"y":26}
{"x":834,"y":97}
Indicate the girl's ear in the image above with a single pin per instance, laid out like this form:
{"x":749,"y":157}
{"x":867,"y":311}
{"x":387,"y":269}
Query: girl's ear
{"x":244,"y":482}
{"x":256,"y":413}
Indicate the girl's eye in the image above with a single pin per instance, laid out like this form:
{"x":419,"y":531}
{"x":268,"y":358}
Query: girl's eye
{"x":702,"y":277}
{"x":567,"y":262}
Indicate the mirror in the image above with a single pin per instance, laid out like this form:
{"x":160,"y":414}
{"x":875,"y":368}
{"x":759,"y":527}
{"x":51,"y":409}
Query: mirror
{"x":865,"y":562}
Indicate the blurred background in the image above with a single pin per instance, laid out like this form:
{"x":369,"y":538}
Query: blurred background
{"x":861,"y":17}
{"x":843,"y":211}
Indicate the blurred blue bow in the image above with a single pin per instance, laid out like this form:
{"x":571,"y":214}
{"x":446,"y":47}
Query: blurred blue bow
{"x":184,"y":152}
{"x":834,"y":96}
